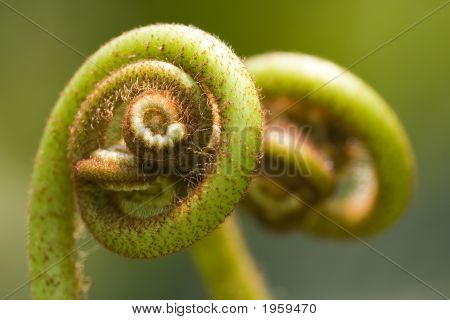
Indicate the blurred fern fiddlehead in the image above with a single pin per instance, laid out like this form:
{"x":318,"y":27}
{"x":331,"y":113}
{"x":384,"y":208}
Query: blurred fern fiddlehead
{"x":146,"y":143}
{"x":350,"y":173}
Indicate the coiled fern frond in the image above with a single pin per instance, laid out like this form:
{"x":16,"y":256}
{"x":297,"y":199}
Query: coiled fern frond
{"x":337,"y":161}
{"x":147,"y":139}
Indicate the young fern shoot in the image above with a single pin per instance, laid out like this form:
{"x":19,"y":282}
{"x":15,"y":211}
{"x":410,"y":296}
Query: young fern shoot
{"x":146,"y":142}
{"x":350,"y":174}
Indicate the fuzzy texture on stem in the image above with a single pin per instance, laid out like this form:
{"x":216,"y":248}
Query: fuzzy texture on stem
{"x":360,"y":165}
{"x":141,"y":100}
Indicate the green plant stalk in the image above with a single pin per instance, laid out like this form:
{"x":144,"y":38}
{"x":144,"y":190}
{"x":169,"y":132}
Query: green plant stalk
{"x":54,"y":263}
{"x":227,"y":268}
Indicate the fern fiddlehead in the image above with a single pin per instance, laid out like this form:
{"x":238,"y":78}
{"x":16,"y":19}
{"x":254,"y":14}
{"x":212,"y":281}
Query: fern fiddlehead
{"x":356,"y":167}
{"x":147,"y":137}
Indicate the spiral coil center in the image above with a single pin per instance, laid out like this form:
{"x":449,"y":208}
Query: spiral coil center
{"x":153,"y":121}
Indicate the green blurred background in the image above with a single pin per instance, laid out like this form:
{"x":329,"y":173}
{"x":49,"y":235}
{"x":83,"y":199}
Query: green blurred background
{"x":412,"y":73}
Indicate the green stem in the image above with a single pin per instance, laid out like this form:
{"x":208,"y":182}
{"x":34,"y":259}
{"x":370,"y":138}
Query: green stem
{"x":226,"y":267}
